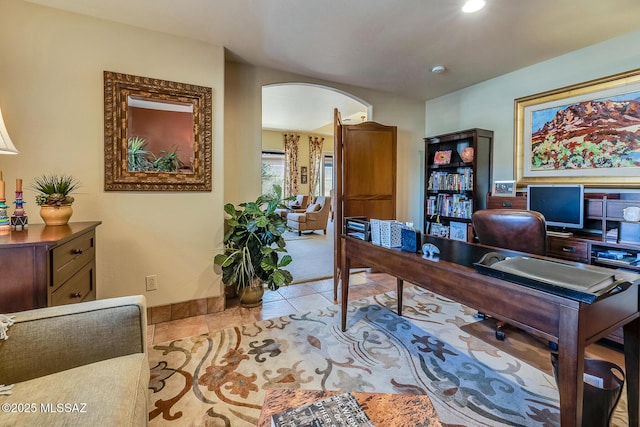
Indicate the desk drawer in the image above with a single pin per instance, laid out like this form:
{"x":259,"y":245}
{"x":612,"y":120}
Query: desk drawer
{"x":569,"y":249}
{"x":497,"y":202}
{"x":68,"y":258}
{"x":81,"y":287}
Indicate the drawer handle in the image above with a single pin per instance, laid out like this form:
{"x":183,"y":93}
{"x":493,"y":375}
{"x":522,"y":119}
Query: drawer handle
{"x":570,"y":249}
{"x":78,"y":251}
{"x":76,"y":295}
{"x":507,"y":204}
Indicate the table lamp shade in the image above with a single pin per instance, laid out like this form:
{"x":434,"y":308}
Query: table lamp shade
{"x":6,"y":146}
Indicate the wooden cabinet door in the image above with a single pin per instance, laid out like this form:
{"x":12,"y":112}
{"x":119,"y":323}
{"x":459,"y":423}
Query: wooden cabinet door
{"x":365,"y":177}
{"x":369,"y":170}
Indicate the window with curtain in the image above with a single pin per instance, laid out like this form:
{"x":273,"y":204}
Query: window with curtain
{"x":325,"y":183}
{"x":327,"y":175}
{"x":272,"y":173}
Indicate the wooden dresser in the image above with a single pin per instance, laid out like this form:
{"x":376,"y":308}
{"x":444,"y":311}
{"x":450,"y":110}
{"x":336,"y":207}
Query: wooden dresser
{"x":46,"y":266}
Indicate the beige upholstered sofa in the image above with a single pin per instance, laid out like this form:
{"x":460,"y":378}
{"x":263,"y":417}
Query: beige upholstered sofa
{"x":315,"y":217}
{"x":77,"y":365}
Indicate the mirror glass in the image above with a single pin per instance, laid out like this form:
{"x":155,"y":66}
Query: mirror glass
{"x":157,"y":134}
{"x":160,"y":135}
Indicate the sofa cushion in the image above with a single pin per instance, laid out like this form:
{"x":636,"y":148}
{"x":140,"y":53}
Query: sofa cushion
{"x":111,"y":392}
{"x":297,"y":217}
{"x":53,"y":339}
{"x":313,"y":207}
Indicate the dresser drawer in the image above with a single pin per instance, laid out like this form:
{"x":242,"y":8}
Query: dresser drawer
{"x":68,"y":258}
{"x":569,"y":249}
{"x":497,"y":202}
{"x":80,"y":287}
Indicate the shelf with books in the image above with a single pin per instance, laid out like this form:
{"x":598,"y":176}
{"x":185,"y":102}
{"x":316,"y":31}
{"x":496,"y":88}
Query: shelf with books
{"x":449,"y":205}
{"x":457,"y":177}
{"x":460,"y":180}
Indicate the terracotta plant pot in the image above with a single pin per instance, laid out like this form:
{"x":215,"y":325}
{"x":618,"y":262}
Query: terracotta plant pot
{"x":56,"y":215}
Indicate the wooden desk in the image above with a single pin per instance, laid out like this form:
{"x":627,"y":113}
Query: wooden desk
{"x":573,"y":325}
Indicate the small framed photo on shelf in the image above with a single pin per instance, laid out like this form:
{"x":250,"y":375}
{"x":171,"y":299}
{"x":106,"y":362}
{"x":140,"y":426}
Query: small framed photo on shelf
{"x":439,"y":230}
{"x":504,"y":188}
{"x":458,"y":231}
{"x":442,"y":157}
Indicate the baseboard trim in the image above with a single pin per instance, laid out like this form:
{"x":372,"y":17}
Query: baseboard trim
{"x":182,"y":310}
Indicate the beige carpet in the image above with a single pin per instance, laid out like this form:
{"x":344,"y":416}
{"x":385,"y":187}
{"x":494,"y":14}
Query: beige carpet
{"x":312,"y":255}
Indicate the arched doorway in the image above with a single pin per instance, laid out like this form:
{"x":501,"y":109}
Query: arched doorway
{"x":305,"y":110}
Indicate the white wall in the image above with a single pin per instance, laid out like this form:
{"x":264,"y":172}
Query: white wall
{"x":51,"y":95}
{"x":490,"y":105}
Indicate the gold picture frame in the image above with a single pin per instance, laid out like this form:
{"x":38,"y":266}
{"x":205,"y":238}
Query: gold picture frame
{"x":162,"y":105}
{"x":587,"y":133}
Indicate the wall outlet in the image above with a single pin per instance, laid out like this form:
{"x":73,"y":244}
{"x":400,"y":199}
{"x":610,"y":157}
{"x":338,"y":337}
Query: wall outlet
{"x":151,"y":282}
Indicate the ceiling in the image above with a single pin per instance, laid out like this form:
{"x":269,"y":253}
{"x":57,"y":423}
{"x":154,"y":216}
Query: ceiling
{"x":309,"y":108}
{"x":386,"y":45}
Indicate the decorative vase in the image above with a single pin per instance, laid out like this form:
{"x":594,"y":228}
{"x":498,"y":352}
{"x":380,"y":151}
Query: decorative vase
{"x":467,"y":154}
{"x":56,"y":215}
{"x":251,"y":296}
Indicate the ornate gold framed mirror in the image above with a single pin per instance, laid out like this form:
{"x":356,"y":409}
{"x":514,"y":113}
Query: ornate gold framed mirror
{"x":157,"y":135}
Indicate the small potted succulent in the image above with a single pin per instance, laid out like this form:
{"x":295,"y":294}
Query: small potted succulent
{"x":54,"y":197}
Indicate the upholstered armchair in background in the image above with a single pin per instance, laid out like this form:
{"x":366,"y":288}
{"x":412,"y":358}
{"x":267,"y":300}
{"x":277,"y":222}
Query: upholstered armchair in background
{"x":315,"y":217}
{"x":299,"y":204}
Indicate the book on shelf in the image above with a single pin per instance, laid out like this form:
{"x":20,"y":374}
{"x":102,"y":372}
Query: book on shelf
{"x":557,"y":274}
{"x":446,"y":181}
{"x":452,"y":205}
{"x":341,"y":410}
{"x":442,"y":157}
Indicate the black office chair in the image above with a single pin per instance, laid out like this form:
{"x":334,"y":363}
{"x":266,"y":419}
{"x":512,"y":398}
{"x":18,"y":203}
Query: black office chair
{"x":518,"y":230}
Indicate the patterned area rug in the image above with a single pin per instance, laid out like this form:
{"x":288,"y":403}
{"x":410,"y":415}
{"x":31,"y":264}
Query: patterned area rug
{"x":437,"y":348}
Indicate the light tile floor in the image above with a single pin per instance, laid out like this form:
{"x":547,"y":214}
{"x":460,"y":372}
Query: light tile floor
{"x":301,"y":298}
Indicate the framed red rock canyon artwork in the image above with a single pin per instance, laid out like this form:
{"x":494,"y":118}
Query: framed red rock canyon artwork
{"x":587,"y":133}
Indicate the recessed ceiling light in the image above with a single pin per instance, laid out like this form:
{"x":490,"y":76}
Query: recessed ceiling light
{"x":473,"y":6}
{"x":438,"y":69}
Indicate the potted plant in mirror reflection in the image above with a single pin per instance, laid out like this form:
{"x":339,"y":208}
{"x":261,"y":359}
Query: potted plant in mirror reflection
{"x":141,"y":159}
{"x":168,"y":161}
{"x":253,"y":247}
{"x":54,"y":197}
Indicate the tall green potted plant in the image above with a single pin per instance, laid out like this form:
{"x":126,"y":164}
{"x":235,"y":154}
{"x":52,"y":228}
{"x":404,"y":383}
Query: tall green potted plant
{"x":253,"y":245}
